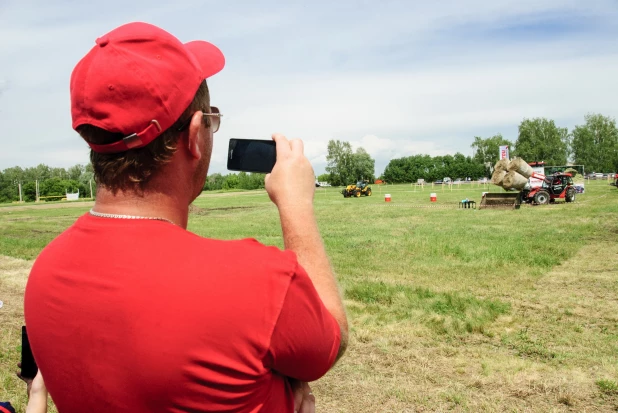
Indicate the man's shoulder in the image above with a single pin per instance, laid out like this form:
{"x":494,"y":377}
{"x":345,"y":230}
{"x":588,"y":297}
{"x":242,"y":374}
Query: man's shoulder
{"x":249,"y":252}
{"x":163,"y":244}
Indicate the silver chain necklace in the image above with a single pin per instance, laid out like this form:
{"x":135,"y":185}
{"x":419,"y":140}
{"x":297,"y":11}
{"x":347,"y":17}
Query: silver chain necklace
{"x":118,"y":216}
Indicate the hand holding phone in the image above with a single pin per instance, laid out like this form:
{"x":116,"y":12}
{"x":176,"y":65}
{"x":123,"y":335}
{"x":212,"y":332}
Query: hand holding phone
{"x":291,"y":184}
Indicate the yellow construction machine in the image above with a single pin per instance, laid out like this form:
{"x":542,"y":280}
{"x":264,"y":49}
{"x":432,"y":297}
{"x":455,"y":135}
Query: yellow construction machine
{"x":361,"y":188}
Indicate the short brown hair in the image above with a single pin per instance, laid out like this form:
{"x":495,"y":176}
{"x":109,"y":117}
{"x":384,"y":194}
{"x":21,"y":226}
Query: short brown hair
{"x":133,"y":169}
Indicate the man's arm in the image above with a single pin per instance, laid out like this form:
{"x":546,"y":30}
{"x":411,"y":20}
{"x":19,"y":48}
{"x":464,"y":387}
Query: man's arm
{"x":301,"y":235}
{"x":37,"y":392}
{"x":291,"y":187}
{"x":37,"y":402}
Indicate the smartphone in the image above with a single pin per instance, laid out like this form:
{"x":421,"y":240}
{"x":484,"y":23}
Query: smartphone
{"x":29,"y":368}
{"x":251,"y":155}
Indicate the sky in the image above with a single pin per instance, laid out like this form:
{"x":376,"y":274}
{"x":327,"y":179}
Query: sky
{"x":398,"y":78}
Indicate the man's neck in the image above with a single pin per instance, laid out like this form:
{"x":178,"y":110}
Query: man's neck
{"x":153,"y":204}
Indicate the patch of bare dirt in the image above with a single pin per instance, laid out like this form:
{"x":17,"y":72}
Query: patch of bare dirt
{"x":195,"y":210}
{"x":29,"y":207}
{"x":228,"y":194}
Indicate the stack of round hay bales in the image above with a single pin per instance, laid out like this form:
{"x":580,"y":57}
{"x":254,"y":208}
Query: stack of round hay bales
{"x":514,"y":180}
{"x":521,"y":167}
{"x":511,"y":174}
{"x":498,"y":177}
{"x":500,"y":170}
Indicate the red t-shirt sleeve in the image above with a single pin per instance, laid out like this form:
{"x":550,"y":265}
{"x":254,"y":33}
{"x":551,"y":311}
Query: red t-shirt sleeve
{"x":306,"y":338}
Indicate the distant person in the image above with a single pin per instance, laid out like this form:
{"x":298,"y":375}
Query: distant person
{"x":126,"y":310}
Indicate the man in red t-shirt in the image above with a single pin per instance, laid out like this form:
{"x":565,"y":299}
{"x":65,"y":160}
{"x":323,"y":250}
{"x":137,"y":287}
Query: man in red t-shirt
{"x":126,"y":310}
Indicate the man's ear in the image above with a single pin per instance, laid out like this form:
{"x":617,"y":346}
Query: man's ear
{"x":195,"y":128}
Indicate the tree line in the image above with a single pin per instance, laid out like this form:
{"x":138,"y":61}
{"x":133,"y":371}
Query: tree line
{"x":242,"y":180}
{"x":53,"y":182}
{"x":593,"y":144}
{"x":56,"y":182}
{"x":412,"y":168}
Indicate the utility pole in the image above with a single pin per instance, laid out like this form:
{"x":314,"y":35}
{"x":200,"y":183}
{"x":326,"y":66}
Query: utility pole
{"x":91,"y":189}
{"x":37,"y":190}
{"x":20,"y":197}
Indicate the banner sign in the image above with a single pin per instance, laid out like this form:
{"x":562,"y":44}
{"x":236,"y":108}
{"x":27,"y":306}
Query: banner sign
{"x":504,"y":152}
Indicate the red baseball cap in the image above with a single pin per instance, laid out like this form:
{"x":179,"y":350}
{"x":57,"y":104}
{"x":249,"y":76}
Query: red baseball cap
{"x":137,"y":81}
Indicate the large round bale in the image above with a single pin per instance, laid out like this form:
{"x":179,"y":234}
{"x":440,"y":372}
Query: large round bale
{"x":520,"y":166}
{"x":502,"y":165}
{"x":498,"y":177}
{"x":514,"y":180}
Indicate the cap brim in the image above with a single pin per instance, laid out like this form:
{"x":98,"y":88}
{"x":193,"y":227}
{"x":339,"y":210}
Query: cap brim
{"x":208,"y":55}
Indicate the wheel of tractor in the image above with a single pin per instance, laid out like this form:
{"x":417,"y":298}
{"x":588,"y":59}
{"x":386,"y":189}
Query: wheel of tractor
{"x":570,"y":195}
{"x":357,"y":194}
{"x":541,"y":198}
{"x":368,"y":192}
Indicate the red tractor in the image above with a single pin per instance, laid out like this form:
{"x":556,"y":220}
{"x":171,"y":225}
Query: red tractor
{"x":556,"y":186}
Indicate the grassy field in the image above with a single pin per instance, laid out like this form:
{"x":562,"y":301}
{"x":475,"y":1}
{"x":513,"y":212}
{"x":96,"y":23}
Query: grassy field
{"x":450,"y":309}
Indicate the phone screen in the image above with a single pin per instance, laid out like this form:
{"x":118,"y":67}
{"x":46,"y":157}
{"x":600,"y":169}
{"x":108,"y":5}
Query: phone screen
{"x":29,"y":368}
{"x":251,"y":155}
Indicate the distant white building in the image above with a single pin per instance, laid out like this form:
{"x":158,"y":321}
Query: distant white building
{"x":73,"y":197}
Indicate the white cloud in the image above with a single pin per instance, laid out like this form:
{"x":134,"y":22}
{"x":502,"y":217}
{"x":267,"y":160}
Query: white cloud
{"x":427,"y":112}
{"x":399,"y":79}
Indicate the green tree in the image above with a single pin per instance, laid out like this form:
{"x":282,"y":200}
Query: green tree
{"x":595,"y":144}
{"x":339,"y":162}
{"x":540,"y":139}
{"x":8,"y":188}
{"x":231,"y":182}
{"x":59,"y":173}
{"x":345,"y":166}
{"x":12,"y":177}
{"x":486,"y":151}
{"x":412,"y":168}
{"x":257,"y":181}
{"x":75,"y":172}
{"x":250,"y":181}
{"x":214,"y":182}
{"x":363,"y":165}
{"x":324,"y":178}
{"x":39,"y":172}
{"x":29,"y":191}
{"x":86,"y":177}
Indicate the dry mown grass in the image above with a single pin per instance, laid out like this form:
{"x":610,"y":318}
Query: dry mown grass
{"x":548,"y":355}
{"x":13,"y":277}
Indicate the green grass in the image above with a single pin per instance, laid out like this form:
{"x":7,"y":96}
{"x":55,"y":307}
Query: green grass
{"x":446,"y":313}
{"x":470,"y":310}
{"x":608,"y":387}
